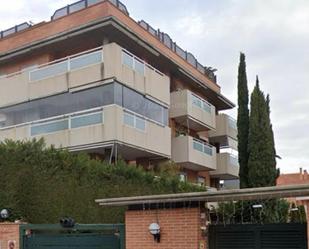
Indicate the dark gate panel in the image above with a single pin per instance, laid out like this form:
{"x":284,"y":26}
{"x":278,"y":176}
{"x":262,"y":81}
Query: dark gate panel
{"x":76,"y":241}
{"x":79,"y":237}
{"x":269,"y":236}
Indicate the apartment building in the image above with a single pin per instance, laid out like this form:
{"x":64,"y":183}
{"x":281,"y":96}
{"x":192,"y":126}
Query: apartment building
{"x":93,"y":79}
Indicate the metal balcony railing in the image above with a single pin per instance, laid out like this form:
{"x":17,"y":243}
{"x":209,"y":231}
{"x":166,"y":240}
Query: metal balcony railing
{"x":187,"y":56}
{"x":69,"y":9}
{"x":14,"y":29}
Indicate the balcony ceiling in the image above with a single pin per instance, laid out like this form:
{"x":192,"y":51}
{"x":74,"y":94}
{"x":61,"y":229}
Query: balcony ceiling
{"x":191,"y":123}
{"x":124,"y":151}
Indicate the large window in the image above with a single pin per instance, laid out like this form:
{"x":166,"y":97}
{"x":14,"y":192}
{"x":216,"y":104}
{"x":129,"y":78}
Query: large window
{"x":133,"y":101}
{"x":138,"y":103}
{"x":57,"y":105}
{"x":71,"y":102}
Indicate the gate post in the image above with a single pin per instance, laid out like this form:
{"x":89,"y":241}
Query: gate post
{"x":179,"y":227}
{"x":9,"y":235}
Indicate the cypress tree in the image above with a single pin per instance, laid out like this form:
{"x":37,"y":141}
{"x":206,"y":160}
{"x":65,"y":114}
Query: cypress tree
{"x":271,"y":137}
{"x":261,"y":162}
{"x":243,"y":122}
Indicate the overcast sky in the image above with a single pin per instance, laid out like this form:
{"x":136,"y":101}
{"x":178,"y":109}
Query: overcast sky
{"x":274,"y":35}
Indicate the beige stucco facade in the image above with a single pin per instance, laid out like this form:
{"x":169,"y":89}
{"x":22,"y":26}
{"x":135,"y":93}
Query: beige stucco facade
{"x":155,"y":139}
{"x":224,"y":127}
{"x":183,"y":110}
{"x":19,"y":88}
{"x":227,"y":167}
{"x":183,"y":153}
{"x":125,"y":53}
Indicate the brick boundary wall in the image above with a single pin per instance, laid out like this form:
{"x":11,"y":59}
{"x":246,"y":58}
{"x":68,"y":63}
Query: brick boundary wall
{"x":9,"y":232}
{"x":180,"y":228}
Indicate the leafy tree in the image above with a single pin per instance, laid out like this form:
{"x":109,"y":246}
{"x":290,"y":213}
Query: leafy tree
{"x":41,"y":184}
{"x":243,"y":122}
{"x":261,"y":162}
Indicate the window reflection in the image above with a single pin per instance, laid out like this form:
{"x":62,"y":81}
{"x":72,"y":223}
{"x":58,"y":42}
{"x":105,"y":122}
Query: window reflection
{"x":71,"y":102}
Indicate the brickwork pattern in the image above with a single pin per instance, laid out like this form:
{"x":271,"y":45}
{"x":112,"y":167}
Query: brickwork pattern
{"x":9,"y":232}
{"x":180,"y":228}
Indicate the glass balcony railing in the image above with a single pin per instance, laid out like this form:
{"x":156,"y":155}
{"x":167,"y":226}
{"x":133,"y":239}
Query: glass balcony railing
{"x":82,"y":119}
{"x":135,"y":63}
{"x":202,"y":147}
{"x":232,"y":123}
{"x":200,"y":103}
{"x":14,"y":29}
{"x":79,"y":61}
{"x":135,"y":121}
{"x":67,"y":64}
{"x":70,"y":121}
{"x":234,"y":160}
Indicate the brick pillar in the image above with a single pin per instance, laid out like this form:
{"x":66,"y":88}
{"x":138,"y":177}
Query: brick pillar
{"x":9,"y":233}
{"x":180,"y":228}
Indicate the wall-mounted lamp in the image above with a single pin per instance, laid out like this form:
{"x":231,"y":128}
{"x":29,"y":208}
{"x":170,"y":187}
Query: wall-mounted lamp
{"x":154,"y":229}
{"x":4,"y":214}
{"x":257,"y":206}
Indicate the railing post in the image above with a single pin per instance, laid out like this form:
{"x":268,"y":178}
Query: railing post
{"x":69,"y":64}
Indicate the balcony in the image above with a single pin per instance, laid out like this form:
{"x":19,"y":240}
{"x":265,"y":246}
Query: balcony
{"x":99,"y":128}
{"x":225,"y":133}
{"x":82,"y":70}
{"x":132,"y":71}
{"x":227,"y":167}
{"x":193,"y":154}
{"x":192,"y":111}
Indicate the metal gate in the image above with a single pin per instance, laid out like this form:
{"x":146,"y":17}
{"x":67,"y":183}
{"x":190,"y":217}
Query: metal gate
{"x":79,"y":237}
{"x":268,"y":236}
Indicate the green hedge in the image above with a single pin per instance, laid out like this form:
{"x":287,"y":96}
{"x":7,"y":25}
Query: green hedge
{"x":41,"y":184}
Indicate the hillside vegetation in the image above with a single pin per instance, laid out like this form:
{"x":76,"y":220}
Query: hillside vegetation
{"x":41,"y":184}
